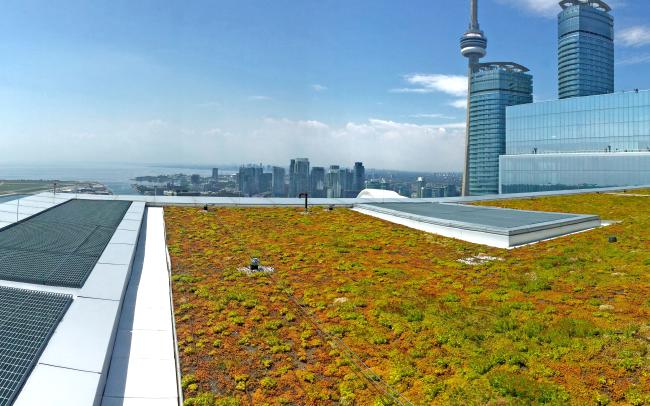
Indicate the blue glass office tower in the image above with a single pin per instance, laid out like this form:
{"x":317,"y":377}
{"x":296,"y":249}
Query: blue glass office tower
{"x":585,"y":48}
{"x":577,"y":143}
{"x":493,"y":87}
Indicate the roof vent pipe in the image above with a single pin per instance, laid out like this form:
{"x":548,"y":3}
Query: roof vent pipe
{"x":255,"y":264}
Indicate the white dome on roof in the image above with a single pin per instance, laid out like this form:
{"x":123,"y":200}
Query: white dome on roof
{"x":379,"y":194}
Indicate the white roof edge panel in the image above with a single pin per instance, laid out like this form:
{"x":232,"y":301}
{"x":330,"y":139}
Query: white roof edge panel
{"x":51,"y":385}
{"x":143,"y":367}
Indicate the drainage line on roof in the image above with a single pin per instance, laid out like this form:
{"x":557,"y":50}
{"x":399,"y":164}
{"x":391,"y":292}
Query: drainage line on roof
{"x":367,"y":373}
{"x":382,"y":387}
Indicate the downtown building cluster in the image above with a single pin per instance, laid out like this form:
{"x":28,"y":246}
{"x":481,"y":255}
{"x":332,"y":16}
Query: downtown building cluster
{"x":591,"y":137}
{"x":317,"y":181}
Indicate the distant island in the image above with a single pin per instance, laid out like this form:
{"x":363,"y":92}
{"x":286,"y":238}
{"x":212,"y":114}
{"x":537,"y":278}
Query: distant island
{"x":9,"y":187}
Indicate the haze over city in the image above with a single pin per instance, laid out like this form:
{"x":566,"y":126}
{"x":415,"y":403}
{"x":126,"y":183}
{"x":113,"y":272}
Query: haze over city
{"x":231,"y":82}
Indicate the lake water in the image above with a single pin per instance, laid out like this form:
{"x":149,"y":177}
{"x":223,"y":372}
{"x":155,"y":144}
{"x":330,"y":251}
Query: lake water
{"x":117,"y":177}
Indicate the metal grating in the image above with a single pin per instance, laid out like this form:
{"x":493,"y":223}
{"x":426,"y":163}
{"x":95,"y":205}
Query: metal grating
{"x":38,"y":235}
{"x":60,"y":246}
{"x":103,"y":213}
{"x":27,"y":321}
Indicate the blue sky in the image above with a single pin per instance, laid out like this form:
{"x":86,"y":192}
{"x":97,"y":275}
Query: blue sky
{"x":219,"y":82}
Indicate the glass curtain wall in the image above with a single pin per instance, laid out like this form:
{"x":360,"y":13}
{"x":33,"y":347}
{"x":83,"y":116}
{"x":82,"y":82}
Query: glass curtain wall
{"x":493,"y":88}
{"x":547,"y":172}
{"x":617,"y":122}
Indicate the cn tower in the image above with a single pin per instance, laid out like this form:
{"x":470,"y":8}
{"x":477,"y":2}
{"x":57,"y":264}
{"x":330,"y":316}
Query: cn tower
{"x":473,"y":45}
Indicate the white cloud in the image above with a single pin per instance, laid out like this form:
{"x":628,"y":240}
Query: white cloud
{"x":432,"y":115}
{"x":377,"y":142}
{"x":634,"y":60}
{"x":318,"y":88}
{"x":453,"y":125}
{"x":454,"y":85}
{"x":546,"y":8}
{"x":209,"y":104}
{"x":636,"y":36}
{"x":411,"y":90}
{"x":259,"y":98}
{"x":390,"y":144}
{"x":459,"y":103}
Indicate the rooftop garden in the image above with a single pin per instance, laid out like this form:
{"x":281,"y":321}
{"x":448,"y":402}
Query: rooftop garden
{"x":361,"y":311}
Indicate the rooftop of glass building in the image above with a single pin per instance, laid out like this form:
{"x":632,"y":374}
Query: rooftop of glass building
{"x":507,"y":66}
{"x":598,"y":4}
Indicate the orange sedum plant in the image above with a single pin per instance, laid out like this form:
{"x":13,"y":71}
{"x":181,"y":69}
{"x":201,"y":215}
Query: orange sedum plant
{"x":361,"y":311}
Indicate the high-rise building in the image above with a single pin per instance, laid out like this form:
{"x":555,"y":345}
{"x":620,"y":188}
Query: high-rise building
{"x":334,"y":182}
{"x":298,"y":176}
{"x":426,"y":193}
{"x":266,"y":182}
{"x":577,"y":143}
{"x":215,"y":173}
{"x":359,"y":177}
{"x":473,"y":46}
{"x":347,"y":183}
{"x":250,"y":180}
{"x":585,"y":48}
{"x":450,"y":191}
{"x":317,"y":182}
{"x":494,"y":86}
{"x":420,"y":185}
{"x":279,"y":188}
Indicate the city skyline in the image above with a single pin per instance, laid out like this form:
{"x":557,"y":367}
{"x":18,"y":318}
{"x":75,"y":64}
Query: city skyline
{"x":140,"y":93}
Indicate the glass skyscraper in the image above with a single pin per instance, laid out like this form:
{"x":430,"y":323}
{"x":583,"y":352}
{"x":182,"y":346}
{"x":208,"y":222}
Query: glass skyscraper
{"x":333,"y":179}
{"x":359,"y":177}
{"x":583,"y":142}
{"x":279,"y":188}
{"x":317,"y":188}
{"x":298,"y":176}
{"x":585,"y":48}
{"x":493,"y":87}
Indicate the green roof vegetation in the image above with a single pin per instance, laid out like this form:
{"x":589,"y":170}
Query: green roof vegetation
{"x":362,"y":311}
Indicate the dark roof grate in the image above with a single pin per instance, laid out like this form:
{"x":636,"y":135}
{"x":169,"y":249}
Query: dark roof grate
{"x":60,"y":246}
{"x":27,"y":321}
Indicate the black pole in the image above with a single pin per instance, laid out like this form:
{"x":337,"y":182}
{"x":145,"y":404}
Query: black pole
{"x":306,"y":196}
